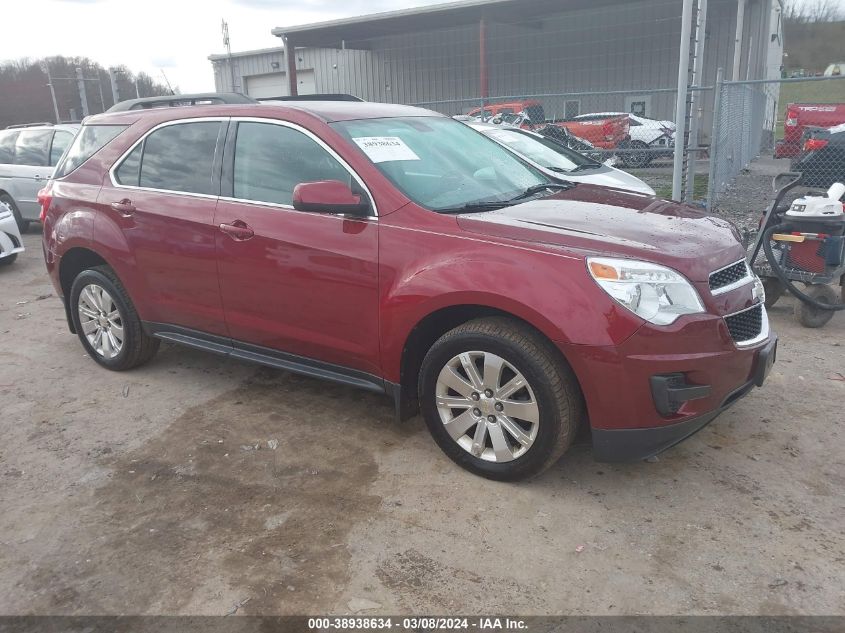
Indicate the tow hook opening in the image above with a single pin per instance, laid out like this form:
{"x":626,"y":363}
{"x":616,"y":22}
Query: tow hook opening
{"x":671,"y":391}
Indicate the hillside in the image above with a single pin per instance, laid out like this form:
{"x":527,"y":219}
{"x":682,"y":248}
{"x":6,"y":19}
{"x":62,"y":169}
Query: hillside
{"x":813,"y":46}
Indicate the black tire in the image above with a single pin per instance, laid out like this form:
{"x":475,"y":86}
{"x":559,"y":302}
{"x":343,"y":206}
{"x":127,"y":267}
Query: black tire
{"x":635,"y":159}
{"x":7,"y":261}
{"x":557,"y":394}
{"x":774,"y":289}
{"x":810,"y":316}
{"x":138,"y":348}
{"x":23,"y":225}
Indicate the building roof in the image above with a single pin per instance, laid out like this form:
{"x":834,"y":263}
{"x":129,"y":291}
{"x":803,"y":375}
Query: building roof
{"x":330,"y":34}
{"x":278,"y":50}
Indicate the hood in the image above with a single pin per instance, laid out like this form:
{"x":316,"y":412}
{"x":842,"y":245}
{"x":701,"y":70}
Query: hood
{"x":594,"y":220}
{"x":607,"y":176}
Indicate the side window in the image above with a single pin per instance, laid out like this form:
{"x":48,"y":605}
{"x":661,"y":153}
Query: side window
{"x":32,"y":148}
{"x":270,"y":160}
{"x":61,"y":141}
{"x":129,"y":172}
{"x":7,"y":146}
{"x":180,"y":157}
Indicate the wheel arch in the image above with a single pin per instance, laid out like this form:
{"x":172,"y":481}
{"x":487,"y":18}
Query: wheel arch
{"x":430,"y":328}
{"x":73,"y":262}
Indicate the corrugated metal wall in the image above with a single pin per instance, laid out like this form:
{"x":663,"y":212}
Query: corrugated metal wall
{"x":632,"y":47}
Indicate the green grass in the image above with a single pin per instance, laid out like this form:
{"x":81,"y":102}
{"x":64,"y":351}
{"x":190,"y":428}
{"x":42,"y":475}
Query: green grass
{"x":830,"y":91}
{"x":699,"y":188}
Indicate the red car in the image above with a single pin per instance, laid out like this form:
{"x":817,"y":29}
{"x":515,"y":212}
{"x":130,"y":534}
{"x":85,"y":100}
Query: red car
{"x":606,"y":132}
{"x":400,"y":251}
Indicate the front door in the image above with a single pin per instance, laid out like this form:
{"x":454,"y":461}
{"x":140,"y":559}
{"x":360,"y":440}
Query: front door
{"x":162,"y":200}
{"x":292,"y":281}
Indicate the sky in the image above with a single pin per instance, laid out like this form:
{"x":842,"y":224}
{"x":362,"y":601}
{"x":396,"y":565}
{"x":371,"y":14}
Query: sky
{"x":173,"y":36}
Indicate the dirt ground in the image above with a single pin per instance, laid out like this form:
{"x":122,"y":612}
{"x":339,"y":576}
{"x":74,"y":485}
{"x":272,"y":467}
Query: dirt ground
{"x":156,"y":492}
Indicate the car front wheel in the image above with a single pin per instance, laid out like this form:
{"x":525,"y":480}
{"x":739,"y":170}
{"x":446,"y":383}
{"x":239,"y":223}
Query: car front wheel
{"x":498,"y":399}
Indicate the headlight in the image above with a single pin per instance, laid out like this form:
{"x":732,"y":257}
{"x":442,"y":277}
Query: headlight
{"x":653,"y":292}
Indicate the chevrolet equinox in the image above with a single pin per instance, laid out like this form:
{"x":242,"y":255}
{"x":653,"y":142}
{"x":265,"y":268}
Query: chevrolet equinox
{"x":397,"y":250}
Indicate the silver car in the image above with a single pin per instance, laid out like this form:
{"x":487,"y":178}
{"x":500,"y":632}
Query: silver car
{"x":10,"y":237}
{"x":28,"y":156}
{"x":558,"y":161}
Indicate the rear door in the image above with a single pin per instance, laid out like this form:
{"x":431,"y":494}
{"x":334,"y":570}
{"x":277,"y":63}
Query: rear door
{"x":31,"y":169}
{"x":161,"y":195}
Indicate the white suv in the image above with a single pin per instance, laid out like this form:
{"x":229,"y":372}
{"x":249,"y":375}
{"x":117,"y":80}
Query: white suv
{"x":28,"y":156}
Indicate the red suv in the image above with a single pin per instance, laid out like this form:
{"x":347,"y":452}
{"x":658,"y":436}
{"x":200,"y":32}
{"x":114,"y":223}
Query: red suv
{"x":400,"y":251}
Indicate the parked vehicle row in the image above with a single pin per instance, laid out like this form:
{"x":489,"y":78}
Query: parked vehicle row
{"x":636,"y":139}
{"x":397,"y":250}
{"x":28,"y":155}
{"x":558,"y":161}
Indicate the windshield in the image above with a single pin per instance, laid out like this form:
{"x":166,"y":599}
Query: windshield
{"x":542,"y":151}
{"x":440,"y":163}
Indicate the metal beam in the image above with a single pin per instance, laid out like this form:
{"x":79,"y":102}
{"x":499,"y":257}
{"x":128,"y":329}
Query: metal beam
{"x":290,"y":58}
{"x":740,"y":26}
{"x":681,"y":102}
{"x":482,"y":58}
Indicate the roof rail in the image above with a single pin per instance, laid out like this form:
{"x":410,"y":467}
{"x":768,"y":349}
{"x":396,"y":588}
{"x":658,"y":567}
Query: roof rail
{"x":339,"y":96}
{"x":174,"y":101}
{"x":22,"y":125}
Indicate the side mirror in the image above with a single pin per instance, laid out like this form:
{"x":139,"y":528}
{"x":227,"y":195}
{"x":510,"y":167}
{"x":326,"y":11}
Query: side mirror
{"x":328,"y":196}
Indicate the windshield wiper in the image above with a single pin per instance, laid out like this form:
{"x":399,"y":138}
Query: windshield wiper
{"x":534,"y":190}
{"x":587,"y":166}
{"x":477,"y":207}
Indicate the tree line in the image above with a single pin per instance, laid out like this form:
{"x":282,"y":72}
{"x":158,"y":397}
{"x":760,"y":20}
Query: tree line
{"x":25,"y":95}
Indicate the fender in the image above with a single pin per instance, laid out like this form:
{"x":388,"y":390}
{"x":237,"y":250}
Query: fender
{"x":552,"y":291}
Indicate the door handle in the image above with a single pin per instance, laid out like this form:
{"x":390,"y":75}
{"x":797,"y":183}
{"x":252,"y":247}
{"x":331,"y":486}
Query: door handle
{"x":238,"y":230}
{"x":124,"y":207}
{"x":39,"y":178}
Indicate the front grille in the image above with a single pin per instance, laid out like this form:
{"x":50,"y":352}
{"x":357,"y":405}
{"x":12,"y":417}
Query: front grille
{"x":746,"y":325}
{"x":728,"y":275}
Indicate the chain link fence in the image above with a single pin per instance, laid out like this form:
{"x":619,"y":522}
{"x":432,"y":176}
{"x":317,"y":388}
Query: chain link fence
{"x":776,"y":126}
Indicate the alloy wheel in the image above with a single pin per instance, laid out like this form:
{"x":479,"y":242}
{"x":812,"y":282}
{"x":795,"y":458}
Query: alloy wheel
{"x":487,"y":406}
{"x":100,"y":320}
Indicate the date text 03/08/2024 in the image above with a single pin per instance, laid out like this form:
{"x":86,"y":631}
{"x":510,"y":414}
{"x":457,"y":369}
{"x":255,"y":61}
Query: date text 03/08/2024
{"x":416,"y":623}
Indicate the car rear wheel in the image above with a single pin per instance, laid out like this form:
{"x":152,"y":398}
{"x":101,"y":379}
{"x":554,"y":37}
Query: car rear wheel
{"x":6,"y":261}
{"x":633,"y":158}
{"x":498,"y":399}
{"x":106,"y":321}
{"x":23,"y":225}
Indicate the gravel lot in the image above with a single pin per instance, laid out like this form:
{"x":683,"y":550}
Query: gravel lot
{"x":155,"y":491}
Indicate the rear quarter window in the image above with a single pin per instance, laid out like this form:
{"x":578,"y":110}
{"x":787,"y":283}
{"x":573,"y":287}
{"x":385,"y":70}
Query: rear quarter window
{"x":90,"y":140}
{"x":33,"y":147}
{"x":7,"y":146}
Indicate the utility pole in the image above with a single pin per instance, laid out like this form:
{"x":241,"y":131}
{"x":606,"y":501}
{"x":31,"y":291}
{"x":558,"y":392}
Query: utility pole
{"x":46,"y":68}
{"x":83,"y":98}
{"x":114,"y":91}
{"x":225,"y":29}
{"x":100,"y":86}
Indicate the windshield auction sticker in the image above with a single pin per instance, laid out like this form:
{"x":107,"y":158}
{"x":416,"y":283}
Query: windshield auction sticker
{"x":382,"y":149}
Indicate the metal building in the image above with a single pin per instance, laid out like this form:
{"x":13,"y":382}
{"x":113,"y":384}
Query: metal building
{"x":569,"y":53}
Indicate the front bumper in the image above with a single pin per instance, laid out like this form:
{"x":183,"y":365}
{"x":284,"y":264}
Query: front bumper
{"x":10,"y":237}
{"x":629,"y":418}
{"x":621,"y":445}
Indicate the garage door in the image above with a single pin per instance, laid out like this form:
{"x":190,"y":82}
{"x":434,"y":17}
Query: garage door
{"x":264,"y":86}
